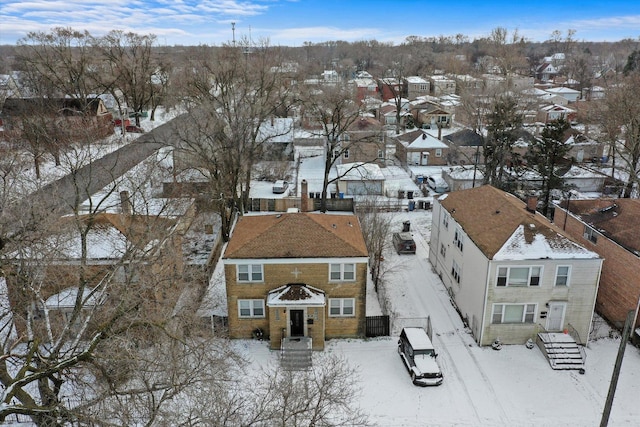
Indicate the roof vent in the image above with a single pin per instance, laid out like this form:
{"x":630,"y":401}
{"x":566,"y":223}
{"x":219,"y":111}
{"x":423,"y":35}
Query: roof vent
{"x":424,"y":136}
{"x":608,"y":208}
{"x":334,"y":226}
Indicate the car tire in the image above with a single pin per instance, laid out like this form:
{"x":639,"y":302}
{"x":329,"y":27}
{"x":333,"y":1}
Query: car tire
{"x":413,"y":377}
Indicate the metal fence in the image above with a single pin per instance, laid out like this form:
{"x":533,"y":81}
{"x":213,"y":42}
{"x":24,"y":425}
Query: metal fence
{"x":377,"y":326}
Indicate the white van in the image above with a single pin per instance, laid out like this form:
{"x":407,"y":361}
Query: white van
{"x":437,"y":184}
{"x":280,"y":187}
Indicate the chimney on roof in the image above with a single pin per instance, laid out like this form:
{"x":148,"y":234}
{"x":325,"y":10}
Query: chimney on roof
{"x":532,"y":203}
{"x":125,"y":203}
{"x":304,"y":196}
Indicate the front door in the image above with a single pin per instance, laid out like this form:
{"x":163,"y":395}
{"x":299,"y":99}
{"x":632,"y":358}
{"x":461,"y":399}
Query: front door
{"x":555,"y":316}
{"x":296,"y":321}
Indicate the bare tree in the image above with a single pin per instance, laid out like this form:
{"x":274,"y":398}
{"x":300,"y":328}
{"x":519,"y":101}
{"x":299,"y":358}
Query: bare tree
{"x":620,"y":120}
{"x":376,"y":228}
{"x":232,"y":96}
{"x":330,"y":110}
{"x":131,"y":68}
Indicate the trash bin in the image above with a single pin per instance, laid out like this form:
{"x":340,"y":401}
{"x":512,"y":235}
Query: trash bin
{"x":406,"y":226}
{"x":311,"y":194}
{"x":412,"y":205}
{"x":420,"y":204}
{"x":341,"y":195}
{"x":400,"y":194}
{"x":409,"y":194}
{"x":318,"y":195}
{"x":419,"y":179}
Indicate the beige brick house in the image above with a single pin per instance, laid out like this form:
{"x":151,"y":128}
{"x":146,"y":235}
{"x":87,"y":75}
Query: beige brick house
{"x":296,"y":276}
{"x":610,"y":228}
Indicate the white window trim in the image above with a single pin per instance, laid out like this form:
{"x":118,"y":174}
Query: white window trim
{"x":252,"y":315}
{"x":250,"y":267}
{"x":458,"y":239}
{"x":530,"y":267}
{"x":438,"y":152}
{"x":455,"y":271}
{"x":524,"y":314}
{"x":590,"y":234}
{"x":342,"y":271}
{"x":342,"y":307}
{"x":558,"y":267}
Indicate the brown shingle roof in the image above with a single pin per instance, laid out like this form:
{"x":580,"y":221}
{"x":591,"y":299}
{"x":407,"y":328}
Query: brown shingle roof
{"x":490,"y":217}
{"x":297,"y":235}
{"x":617,"y":219}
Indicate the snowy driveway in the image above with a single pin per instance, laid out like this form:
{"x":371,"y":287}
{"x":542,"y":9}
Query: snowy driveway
{"x":482,"y":387}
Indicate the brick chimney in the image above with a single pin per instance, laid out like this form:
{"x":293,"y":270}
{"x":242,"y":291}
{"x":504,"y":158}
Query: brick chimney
{"x":532,"y":203}
{"x":125,"y":203}
{"x":304,"y":196}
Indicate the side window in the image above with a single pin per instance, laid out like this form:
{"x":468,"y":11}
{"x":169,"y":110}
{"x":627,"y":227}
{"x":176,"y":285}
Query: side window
{"x":562,"y":275}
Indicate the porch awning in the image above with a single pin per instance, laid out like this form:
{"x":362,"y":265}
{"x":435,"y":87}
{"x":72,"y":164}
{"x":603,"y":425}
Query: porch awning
{"x":296,"y":294}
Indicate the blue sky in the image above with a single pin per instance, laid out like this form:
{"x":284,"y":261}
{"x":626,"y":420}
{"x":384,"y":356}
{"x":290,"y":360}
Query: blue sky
{"x":292,"y":22}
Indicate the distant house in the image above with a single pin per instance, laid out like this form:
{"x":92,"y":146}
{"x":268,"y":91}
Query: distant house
{"x":442,"y":85}
{"x":123,"y":250}
{"x":546,"y":71}
{"x":390,"y":88}
{"x":569,"y":94}
{"x":582,"y":148}
{"x":296,"y":278}
{"x":420,"y":149}
{"x":553,"y":112}
{"x":366,"y":86}
{"x":364,"y":141}
{"x":415,"y":86}
{"x":88,"y":114}
{"x":610,"y":228}
{"x":510,"y":272}
{"x":389,"y":117}
{"x":465,"y":147}
{"x":431,"y":115}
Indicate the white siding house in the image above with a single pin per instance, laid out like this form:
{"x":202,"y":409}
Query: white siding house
{"x":511,"y":272}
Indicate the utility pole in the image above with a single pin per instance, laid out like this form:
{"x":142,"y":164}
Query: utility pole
{"x":616,"y":369}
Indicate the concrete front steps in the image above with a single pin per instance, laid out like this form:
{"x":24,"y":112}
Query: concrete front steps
{"x":561,"y":350}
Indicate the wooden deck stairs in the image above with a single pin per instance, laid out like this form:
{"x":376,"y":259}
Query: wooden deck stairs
{"x":562,"y":350}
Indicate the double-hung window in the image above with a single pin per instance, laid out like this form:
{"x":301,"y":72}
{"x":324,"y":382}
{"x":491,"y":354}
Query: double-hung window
{"x":445,"y":220}
{"x":342,"y":272}
{"x":458,"y":239}
{"x":519,"y":276}
{"x":562,"y":275}
{"x":250,"y":273}
{"x":513,"y":313}
{"x":590,"y":234}
{"x":342,"y":307}
{"x":455,"y":271}
{"x":250,"y":308}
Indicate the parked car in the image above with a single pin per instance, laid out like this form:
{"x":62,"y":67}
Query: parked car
{"x":134,"y":129}
{"x":280,"y":187}
{"x":403,"y":243}
{"x":437,"y":184}
{"x":419,"y":357}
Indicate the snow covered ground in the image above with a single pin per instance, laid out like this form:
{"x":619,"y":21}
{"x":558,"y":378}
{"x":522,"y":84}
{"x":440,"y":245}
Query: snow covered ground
{"x":482,"y":387}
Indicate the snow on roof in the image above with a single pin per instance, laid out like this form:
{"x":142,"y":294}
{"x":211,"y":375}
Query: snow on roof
{"x":359,"y":171}
{"x":295,"y":294}
{"x":276,"y":130}
{"x":527,"y":244}
{"x":465,"y":173}
{"x":418,"y":338}
{"x":67,"y":299}
{"x":426,"y":141}
{"x":416,"y":79}
{"x":562,"y":90}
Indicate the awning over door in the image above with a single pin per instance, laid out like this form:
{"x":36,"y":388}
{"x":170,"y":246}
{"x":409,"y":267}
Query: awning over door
{"x":296,"y":295}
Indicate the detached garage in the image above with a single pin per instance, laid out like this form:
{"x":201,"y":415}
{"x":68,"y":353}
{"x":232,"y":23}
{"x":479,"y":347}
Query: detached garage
{"x":357,"y":179}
